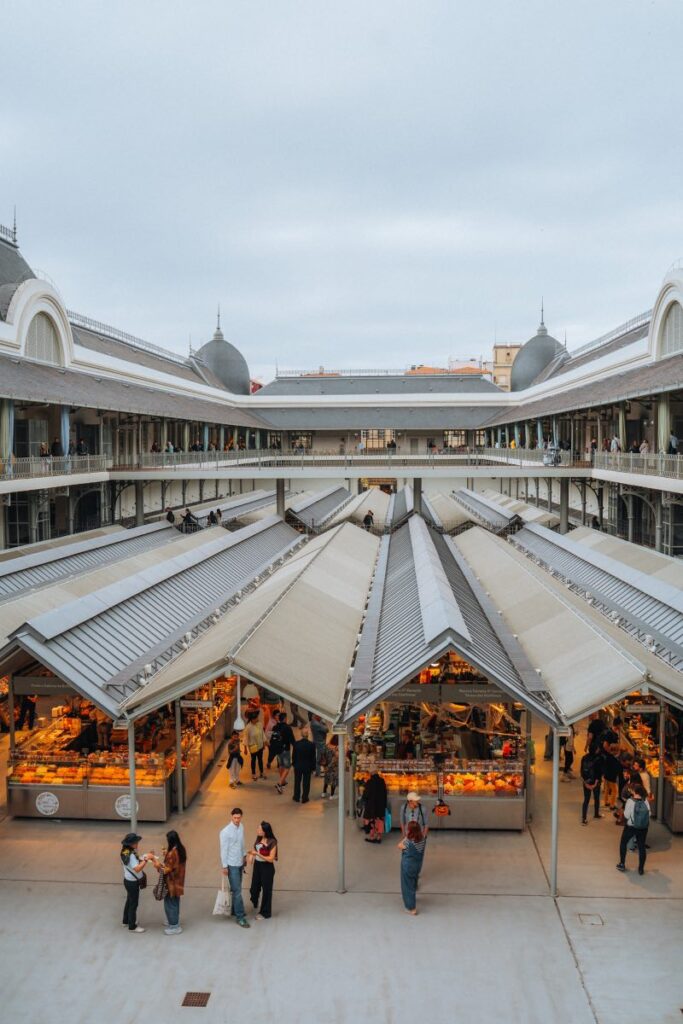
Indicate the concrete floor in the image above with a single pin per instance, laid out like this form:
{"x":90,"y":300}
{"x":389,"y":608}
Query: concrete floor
{"x":488,"y":943}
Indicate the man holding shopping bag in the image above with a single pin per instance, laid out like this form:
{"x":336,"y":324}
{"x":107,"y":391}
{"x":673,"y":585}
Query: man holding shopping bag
{"x":233,"y":859}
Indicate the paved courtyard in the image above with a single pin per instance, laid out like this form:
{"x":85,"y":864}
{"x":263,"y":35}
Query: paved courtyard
{"x":488,"y":944}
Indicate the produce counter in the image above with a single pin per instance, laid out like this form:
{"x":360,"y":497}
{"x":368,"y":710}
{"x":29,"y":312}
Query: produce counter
{"x":673,"y":802}
{"x":478,"y":794}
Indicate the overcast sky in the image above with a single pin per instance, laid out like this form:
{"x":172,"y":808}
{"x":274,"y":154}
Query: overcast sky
{"x":357,"y":184}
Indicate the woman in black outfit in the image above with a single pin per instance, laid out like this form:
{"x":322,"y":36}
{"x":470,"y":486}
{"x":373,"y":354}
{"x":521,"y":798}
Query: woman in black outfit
{"x":374,"y":807}
{"x":263,"y":856}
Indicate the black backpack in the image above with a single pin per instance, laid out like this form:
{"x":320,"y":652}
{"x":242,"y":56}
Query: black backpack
{"x":276,"y":745}
{"x":588,"y":768}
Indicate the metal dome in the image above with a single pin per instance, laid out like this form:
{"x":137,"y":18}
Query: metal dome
{"x":533,"y":357}
{"x":226,"y":362}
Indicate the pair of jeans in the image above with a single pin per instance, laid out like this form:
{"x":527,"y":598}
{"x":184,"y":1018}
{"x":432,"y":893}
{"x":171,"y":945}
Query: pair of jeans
{"x":172,"y":910}
{"x":411,"y":865}
{"x":130,"y":910}
{"x":587,"y":799}
{"x":302,"y":784}
{"x":234,"y":769}
{"x":319,"y":751}
{"x":262,"y":883}
{"x":611,"y":793}
{"x":568,"y":761}
{"x":235,"y":880}
{"x":640,"y":835}
{"x":257,"y":756}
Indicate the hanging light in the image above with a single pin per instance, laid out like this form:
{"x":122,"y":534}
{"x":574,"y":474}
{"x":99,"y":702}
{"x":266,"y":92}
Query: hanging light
{"x":239,"y":721}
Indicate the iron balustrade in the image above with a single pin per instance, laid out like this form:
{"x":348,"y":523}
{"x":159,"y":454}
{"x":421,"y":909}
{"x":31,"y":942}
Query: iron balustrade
{"x":652,"y":464}
{"x":36,"y":467}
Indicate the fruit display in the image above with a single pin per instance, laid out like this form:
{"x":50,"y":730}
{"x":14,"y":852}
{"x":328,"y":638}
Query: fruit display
{"x":465,"y":778}
{"x":26,"y":773}
{"x":677,"y":783}
{"x":112,"y":769}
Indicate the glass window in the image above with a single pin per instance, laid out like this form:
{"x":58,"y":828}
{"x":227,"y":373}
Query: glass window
{"x":454,"y":438}
{"x":377,"y":439}
{"x":300,"y":440}
{"x":672,"y":330}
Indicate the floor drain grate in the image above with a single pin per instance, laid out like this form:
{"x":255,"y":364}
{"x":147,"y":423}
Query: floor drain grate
{"x":591,"y":919}
{"x":196,"y":998}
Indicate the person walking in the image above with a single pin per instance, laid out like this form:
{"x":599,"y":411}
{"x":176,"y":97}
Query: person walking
{"x":319,"y":736}
{"x":636,"y":824}
{"x":281,"y":745}
{"x":262,"y":857}
{"x":374,"y":808}
{"x":330,"y":766}
{"x":235,"y":759}
{"x":134,"y":879}
{"x":172,"y":866}
{"x":412,"y":846}
{"x":412,"y":810}
{"x":369,"y":519}
{"x":611,"y":768}
{"x":569,"y":747}
{"x":303,"y":760}
{"x":233,"y":859}
{"x":256,"y":741}
{"x":591,"y":779}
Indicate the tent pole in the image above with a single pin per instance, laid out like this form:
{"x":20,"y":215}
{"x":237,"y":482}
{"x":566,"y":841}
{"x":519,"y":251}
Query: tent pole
{"x":554,"y":819}
{"x":131,"y":777}
{"x":662,"y":752}
{"x":341,"y":810}
{"x":179,"y":757}
{"x":10,"y":709}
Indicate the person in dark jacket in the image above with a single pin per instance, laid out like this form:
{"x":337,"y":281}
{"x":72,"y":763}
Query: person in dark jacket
{"x":56,"y":450}
{"x":374,"y":807}
{"x":304,"y":765}
{"x":281,"y":745}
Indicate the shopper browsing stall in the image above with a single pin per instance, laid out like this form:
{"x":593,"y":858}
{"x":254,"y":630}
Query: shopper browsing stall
{"x":412,"y":848}
{"x":412,"y":810}
{"x":636,"y":824}
{"x":374,"y":807}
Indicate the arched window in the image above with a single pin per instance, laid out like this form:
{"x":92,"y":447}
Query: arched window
{"x":42,"y":342}
{"x":672,"y":330}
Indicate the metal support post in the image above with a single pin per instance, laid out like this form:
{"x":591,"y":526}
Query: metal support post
{"x":10,"y":710}
{"x":417,"y":495}
{"x":132,"y":788}
{"x":280,"y":498}
{"x":564,"y":504}
{"x":662,"y":753}
{"x":139,"y":502}
{"x":582,"y":486}
{"x":179,"y":757}
{"x":659,"y":510}
{"x":555,"y":813}
{"x":631,"y":515}
{"x":549,"y":487}
{"x":341,"y":819}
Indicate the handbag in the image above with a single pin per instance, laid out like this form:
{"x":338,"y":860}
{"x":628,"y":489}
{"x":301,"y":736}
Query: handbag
{"x":160,"y":889}
{"x":253,"y":748}
{"x":221,"y":907}
{"x":142,"y":880}
{"x":387,"y":820}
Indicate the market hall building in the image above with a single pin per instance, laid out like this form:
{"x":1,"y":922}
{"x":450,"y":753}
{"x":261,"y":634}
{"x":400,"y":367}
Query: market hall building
{"x":141,"y":636}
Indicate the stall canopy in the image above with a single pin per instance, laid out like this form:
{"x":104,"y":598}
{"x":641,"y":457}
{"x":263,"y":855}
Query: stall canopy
{"x":579,"y":665}
{"x":107,"y":643}
{"x":315,"y":510}
{"x":425,"y":602}
{"x":651,"y":606}
{"x":41,"y":568}
{"x":296,"y":634}
{"x":375,"y":500}
{"x":525,"y":511}
{"x":492,"y":515}
{"x":446,"y":514}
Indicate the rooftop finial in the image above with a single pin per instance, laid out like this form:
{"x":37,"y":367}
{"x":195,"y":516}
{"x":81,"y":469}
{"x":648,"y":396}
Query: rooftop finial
{"x":218,"y":321}
{"x":14,"y":226}
{"x":542,"y":323}
{"x":191,"y":352}
{"x":541,"y":327}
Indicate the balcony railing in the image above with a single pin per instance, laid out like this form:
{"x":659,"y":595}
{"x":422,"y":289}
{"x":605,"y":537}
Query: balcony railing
{"x":68,"y":465}
{"x":669,"y":466}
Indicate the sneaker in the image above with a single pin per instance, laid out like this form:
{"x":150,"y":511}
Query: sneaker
{"x":583,"y":821}
{"x":254,"y":779}
{"x":598,"y":815}
{"x":621,"y":867}
{"x":238,"y":783}
{"x":262,"y":776}
{"x":174,"y":930}
{"x":278,"y":788}
{"x":260,"y":917}
{"x":305,"y":800}
{"x":641,"y":871}
{"x":296,"y":799}
{"x":137,"y":930}
{"x":243,"y":923}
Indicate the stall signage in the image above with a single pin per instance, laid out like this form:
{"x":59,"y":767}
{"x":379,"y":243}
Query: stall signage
{"x":47,"y":804}
{"x":46,"y":686}
{"x":122,"y":806}
{"x":436,"y":693}
{"x":642,"y":709}
{"x":196,"y":704}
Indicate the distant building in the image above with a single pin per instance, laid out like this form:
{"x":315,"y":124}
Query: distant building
{"x":503,"y":358}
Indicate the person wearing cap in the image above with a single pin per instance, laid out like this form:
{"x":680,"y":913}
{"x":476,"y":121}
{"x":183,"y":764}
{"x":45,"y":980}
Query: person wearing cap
{"x":133,"y":874}
{"x":412,"y":810}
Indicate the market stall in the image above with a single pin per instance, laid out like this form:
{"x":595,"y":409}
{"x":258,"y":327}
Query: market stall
{"x":76,"y":764}
{"x":455,"y":740}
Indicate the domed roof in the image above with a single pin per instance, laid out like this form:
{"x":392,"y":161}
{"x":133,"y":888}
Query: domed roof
{"x":534,"y":357}
{"x":226,"y":362}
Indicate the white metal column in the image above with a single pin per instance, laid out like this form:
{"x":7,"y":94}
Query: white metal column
{"x":341,"y":810}
{"x":555,"y":812}
{"x":179,"y":757}
{"x":132,"y":788}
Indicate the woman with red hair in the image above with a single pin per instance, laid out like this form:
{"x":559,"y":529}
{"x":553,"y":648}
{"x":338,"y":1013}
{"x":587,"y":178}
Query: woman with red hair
{"x":413,"y":847}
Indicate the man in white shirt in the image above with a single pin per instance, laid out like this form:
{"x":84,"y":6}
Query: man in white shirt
{"x":233,"y":859}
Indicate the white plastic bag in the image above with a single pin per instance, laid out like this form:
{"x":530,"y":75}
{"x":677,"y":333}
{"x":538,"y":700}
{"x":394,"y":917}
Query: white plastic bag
{"x":221,"y":907}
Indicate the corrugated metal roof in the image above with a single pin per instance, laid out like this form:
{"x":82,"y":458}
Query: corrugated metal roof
{"x":402,"y":507}
{"x":529,"y":513}
{"x":379,"y":417}
{"x":491,"y":514}
{"x":651,"y":606}
{"x":103,"y":639}
{"x":316,"y":510}
{"x":386,"y":384}
{"x":41,"y":568}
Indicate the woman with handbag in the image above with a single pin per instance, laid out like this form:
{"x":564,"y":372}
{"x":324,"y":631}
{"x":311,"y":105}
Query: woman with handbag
{"x":134,"y":879}
{"x":374,"y":808}
{"x":171,"y":883}
{"x":256,"y":741}
{"x":262,"y":857}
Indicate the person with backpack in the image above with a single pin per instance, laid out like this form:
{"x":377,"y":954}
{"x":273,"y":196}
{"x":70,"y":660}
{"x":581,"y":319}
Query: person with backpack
{"x":280,"y":746}
{"x":412,"y":810}
{"x":591,"y":779}
{"x":637,"y":822}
